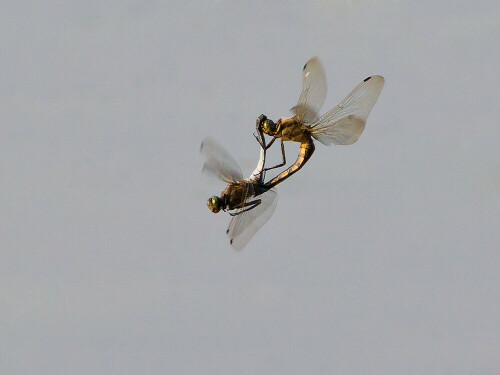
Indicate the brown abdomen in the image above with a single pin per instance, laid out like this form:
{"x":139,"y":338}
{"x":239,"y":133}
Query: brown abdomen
{"x":305,"y":153}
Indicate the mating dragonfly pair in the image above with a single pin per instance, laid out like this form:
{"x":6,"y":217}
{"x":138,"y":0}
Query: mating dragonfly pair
{"x":251,"y":202}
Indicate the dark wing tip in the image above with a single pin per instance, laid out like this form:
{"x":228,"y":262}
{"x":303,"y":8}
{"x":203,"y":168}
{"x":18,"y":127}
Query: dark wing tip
{"x":227,"y":231}
{"x":367,"y":79}
{"x":231,"y":241}
{"x":305,"y":66}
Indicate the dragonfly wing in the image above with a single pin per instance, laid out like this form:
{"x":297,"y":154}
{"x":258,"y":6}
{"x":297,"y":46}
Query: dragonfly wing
{"x":313,"y":93}
{"x":344,"y":124}
{"x":219,"y":163}
{"x":244,"y":226}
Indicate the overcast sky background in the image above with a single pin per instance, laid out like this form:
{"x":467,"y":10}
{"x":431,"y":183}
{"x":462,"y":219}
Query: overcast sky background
{"x":381,"y":258}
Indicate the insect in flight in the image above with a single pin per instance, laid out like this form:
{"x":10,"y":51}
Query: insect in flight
{"x":342,"y":125}
{"x":248,"y":202}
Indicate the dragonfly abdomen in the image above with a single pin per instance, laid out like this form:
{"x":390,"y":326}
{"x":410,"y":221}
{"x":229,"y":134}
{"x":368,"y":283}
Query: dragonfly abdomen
{"x":305,"y":152}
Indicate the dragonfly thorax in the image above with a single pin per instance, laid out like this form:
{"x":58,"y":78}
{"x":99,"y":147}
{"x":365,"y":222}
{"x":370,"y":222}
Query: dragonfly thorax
{"x":235,"y":194}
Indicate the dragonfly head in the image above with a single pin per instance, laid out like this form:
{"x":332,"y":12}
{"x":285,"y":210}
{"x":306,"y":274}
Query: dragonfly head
{"x":214,"y":204}
{"x":267,"y":125}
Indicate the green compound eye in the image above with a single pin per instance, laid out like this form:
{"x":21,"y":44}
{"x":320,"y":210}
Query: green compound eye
{"x":214,"y":204}
{"x":269,"y":127}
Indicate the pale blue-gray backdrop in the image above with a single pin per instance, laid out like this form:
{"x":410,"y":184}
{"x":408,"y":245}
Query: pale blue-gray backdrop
{"x":381,"y":258}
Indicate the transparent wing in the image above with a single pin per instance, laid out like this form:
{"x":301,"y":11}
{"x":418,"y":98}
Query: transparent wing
{"x":219,"y":163}
{"x":244,"y":226}
{"x":313,"y":93}
{"x":344,"y":124}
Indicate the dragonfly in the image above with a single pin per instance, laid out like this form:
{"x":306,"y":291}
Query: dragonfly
{"x":248,"y":201}
{"x":342,"y":125}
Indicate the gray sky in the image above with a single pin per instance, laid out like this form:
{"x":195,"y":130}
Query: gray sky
{"x":381,"y":257}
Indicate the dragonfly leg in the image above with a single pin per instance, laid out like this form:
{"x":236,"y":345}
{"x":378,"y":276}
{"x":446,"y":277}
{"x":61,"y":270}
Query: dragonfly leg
{"x":261,"y":141}
{"x":250,"y":206}
{"x":270,"y":143}
{"x":284,"y":158}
